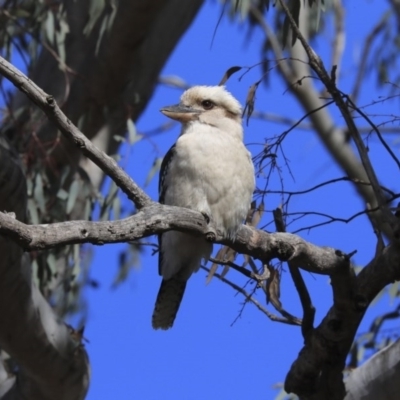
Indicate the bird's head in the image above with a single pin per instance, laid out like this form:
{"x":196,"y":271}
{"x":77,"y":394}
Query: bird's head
{"x":212,"y":105}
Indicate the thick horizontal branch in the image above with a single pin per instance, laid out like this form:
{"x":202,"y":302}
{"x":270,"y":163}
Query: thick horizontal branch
{"x":157,"y":218}
{"x":49,"y":106}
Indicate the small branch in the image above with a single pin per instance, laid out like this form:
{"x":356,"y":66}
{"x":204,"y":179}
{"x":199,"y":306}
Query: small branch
{"x":250,"y":298}
{"x":375,"y":128}
{"x":307,"y":325}
{"x":318,"y":67}
{"x":49,"y":106}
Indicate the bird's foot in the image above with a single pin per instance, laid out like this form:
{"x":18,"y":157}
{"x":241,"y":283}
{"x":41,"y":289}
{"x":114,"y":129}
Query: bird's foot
{"x":211,"y":234}
{"x":206,"y":217}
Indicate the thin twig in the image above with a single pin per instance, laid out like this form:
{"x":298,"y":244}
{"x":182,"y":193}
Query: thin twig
{"x":374,"y":127}
{"x":307,"y":325}
{"x":318,"y":67}
{"x":271,"y":316}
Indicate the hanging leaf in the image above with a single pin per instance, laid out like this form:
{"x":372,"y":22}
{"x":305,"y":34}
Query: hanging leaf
{"x":52,"y":263}
{"x":38,"y":193}
{"x":62,"y":194}
{"x":273,"y":287}
{"x":33,"y":213}
{"x":49,"y":27}
{"x":103,"y":29}
{"x":294,"y":8}
{"x":132,"y":132}
{"x":95,"y":10}
{"x":119,"y":138}
{"x":60,"y":35}
{"x":116,"y":207}
{"x":88,"y":209}
{"x":73,"y":195}
{"x":153,"y":170}
{"x":228,"y":74}
{"x":250,"y":101}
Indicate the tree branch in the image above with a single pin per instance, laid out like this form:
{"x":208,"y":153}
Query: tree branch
{"x":318,"y":67}
{"x":157,"y":218}
{"x":307,"y":325}
{"x":317,"y":372}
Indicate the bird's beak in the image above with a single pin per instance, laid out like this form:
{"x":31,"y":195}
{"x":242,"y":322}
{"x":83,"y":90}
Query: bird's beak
{"x":181,"y":113}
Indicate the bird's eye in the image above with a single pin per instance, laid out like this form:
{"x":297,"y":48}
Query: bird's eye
{"x":207,"y":104}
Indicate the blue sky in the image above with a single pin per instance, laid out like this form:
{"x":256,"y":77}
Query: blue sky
{"x":203,"y":356}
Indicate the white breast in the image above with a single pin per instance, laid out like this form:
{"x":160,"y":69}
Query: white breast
{"x":216,"y":176}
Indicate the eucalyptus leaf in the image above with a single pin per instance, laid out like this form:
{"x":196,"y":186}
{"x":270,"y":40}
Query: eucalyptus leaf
{"x":73,"y":195}
{"x":33,"y":213}
{"x":49,"y":27}
{"x":153,"y":170}
{"x":95,"y":10}
{"x":38,"y":193}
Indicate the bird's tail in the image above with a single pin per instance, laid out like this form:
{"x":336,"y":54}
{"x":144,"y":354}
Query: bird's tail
{"x":168,"y":301}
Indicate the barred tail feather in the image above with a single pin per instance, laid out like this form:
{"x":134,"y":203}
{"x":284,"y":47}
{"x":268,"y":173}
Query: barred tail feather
{"x":168,"y":301}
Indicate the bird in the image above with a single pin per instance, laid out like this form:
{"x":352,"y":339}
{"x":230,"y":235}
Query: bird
{"x":208,"y":170}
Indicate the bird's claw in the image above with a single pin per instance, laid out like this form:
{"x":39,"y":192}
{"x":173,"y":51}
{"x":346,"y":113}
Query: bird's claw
{"x":211,"y":236}
{"x":206,"y":217}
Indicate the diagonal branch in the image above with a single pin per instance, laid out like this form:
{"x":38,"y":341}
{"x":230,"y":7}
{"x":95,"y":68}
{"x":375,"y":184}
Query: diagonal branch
{"x":318,"y":67}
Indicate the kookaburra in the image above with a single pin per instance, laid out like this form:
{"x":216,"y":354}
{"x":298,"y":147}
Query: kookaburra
{"x":208,"y":170}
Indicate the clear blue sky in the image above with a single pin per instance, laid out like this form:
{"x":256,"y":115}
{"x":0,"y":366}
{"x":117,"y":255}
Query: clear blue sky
{"x":203,"y":356}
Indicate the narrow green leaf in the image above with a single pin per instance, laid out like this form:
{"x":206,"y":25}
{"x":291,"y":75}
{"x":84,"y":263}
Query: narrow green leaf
{"x":228,"y":74}
{"x":116,"y":207}
{"x":119,"y":138}
{"x":88,"y":209}
{"x":52,"y":263}
{"x":95,"y":10}
{"x":132,"y":132}
{"x":76,"y":261}
{"x":153,"y":170}
{"x":62,"y":194}
{"x":38,"y":193}
{"x":49,"y":27}
{"x":60,"y":38}
{"x":103,"y":28}
{"x":33,"y":214}
{"x":73,"y":195}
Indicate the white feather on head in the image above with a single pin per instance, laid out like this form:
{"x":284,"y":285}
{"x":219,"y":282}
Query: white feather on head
{"x":217,"y":94}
